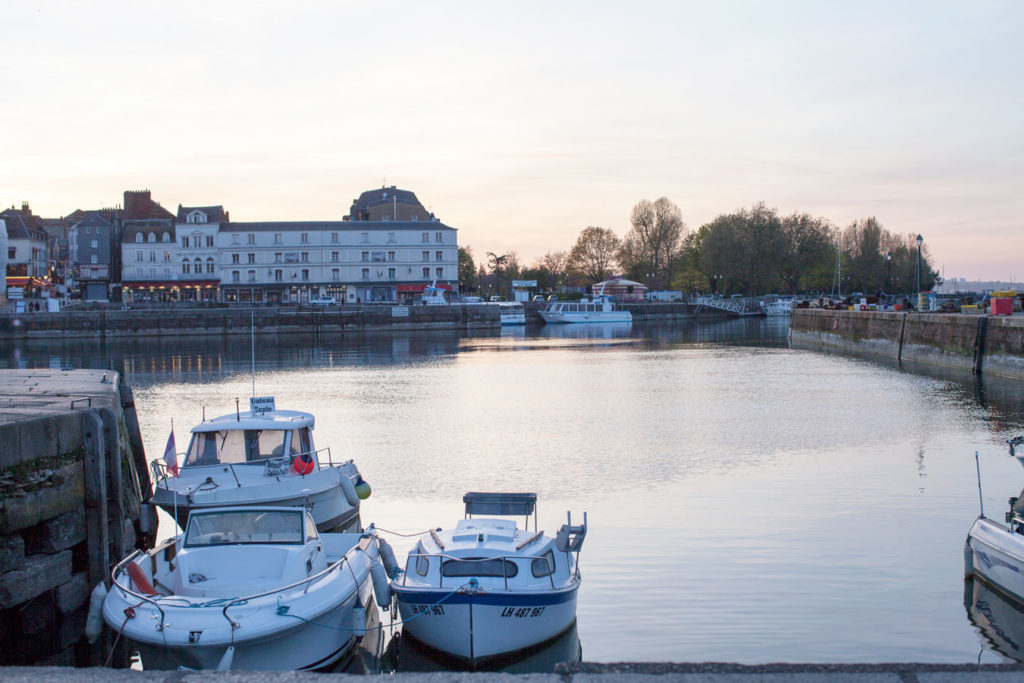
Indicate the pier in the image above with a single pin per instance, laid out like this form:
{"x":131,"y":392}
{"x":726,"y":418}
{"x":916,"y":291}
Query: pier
{"x":72,"y":479}
{"x":977,"y":344}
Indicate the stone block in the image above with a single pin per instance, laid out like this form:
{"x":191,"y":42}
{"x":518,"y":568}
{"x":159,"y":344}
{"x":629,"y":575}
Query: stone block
{"x":38,"y":616}
{"x":73,"y":594}
{"x":40,"y":574}
{"x":12,"y":553}
{"x":66,"y":494}
{"x":54,"y":535}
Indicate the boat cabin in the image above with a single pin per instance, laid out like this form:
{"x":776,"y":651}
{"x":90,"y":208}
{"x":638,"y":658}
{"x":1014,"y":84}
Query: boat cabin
{"x":233,"y":440}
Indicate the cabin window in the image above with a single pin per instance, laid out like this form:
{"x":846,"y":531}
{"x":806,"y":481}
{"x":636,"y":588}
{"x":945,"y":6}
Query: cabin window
{"x":235,"y":446}
{"x":479,"y":567}
{"x":305,"y":443}
{"x":244,"y":526}
{"x":311,"y":534}
{"x":543,"y":566}
{"x":422,"y":565}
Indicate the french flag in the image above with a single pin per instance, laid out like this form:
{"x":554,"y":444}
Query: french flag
{"x":171,"y":455}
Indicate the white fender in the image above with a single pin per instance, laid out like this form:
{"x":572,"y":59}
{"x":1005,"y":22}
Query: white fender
{"x":349,"y":489}
{"x":358,"y":620}
{"x":381,"y":587}
{"x":387,"y":556}
{"x":227,"y":659}
{"x":94,"y":619}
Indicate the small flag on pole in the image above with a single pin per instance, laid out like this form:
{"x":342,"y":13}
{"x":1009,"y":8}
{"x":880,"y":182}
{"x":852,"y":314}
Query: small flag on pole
{"x":171,"y":455}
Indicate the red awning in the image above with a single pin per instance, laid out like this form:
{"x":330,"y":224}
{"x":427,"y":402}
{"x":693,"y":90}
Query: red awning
{"x":24,"y":281}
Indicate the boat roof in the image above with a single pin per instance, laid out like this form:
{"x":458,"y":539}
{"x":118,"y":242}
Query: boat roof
{"x":274,"y":419}
{"x":499,"y":536}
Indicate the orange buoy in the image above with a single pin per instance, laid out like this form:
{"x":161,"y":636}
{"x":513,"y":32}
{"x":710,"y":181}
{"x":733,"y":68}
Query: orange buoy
{"x":303,"y":464}
{"x":139,"y":579}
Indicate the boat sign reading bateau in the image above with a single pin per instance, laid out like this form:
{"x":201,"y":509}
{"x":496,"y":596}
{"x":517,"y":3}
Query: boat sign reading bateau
{"x":260,"y":405}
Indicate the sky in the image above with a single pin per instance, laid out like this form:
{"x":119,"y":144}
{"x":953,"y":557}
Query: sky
{"x":522,"y":123}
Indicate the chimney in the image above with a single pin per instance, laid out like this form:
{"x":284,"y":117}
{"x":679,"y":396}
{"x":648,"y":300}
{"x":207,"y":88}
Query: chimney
{"x":25,"y":210}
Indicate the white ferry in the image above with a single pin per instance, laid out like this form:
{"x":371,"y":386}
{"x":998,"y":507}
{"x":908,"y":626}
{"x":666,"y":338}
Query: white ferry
{"x":599,"y":309}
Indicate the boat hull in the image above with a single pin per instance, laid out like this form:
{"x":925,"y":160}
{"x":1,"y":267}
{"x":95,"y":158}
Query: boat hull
{"x":477,"y":626}
{"x":996,"y":555}
{"x":596,"y":317}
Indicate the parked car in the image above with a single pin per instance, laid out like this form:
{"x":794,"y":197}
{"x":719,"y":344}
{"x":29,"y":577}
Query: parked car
{"x":496,"y":298}
{"x":323,"y":301}
{"x":538,"y":297}
{"x":553,"y":297}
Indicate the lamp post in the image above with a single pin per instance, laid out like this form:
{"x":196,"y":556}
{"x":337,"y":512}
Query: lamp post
{"x":888,"y":273}
{"x":920,"y":241}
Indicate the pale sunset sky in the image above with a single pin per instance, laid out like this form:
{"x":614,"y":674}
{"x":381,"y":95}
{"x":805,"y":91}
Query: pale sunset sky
{"x":521,"y":123}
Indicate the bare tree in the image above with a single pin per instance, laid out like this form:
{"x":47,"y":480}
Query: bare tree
{"x":594,"y":254}
{"x":652,"y":247}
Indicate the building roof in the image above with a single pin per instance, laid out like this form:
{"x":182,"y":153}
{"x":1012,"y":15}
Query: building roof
{"x":215,"y":214}
{"x":340,"y":226}
{"x":138,"y":204}
{"x":373,"y":204}
{"x":92,"y":219}
{"x":22,"y":224}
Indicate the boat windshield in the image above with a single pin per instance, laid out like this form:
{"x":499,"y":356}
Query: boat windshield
{"x":478,"y":566}
{"x":238,"y":446}
{"x":248,"y":526}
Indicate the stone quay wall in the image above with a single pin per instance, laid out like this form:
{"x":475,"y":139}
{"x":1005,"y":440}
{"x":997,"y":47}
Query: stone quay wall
{"x":980,"y":344}
{"x":165,"y":321}
{"x":72,"y":477}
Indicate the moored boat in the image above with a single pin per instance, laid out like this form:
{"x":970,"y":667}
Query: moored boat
{"x":994,"y":552}
{"x":511,"y":312}
{"x":253,"y":588}
{"x":487,"y":589}
{"x":598,"y":309}
{"x":263,"y":456}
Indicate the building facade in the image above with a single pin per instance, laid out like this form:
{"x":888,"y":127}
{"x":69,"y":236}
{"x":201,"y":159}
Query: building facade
{"x":93,"y":240}
{"x":148,"y":250}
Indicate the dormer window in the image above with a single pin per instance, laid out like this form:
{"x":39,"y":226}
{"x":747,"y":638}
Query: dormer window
{"x":152,"y":237}
{"x":196,"y":217}
{"x":166,"y":237}
{"x":138,"y":237}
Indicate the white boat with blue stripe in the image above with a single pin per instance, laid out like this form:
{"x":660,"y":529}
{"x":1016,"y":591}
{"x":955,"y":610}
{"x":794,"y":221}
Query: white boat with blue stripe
{"x":488,"y":589}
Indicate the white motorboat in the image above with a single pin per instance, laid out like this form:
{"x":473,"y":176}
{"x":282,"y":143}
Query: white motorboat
{"x":251,"y":588}
{"x":511,"y":312}
{"x":433,"y":295}
{"x":487,"y":589}
{"x":598,"y":309}
{"x":994,"y":553}
{"x":778,"y":307}
{"x":260,"y":457}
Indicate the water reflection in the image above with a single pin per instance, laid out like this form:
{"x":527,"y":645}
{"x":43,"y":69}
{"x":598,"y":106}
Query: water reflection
{"x":999,"y":619}
{"x":408,"y":654}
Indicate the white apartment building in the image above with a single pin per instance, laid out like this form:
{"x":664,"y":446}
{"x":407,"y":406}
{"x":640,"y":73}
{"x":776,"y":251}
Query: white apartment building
{"x":362,"y":261}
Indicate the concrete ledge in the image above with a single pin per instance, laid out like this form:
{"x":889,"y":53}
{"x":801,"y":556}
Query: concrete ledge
{"x":709,"y":672}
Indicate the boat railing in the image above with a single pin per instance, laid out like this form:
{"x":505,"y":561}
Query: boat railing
{"x":154,"y":600}
{"x":503,"y":558}
{"x":161,"y":472}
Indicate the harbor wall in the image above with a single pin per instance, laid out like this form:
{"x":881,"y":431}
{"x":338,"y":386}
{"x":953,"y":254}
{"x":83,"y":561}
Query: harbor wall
{"x":979,"y":344}
{"x":170,"y":321}
{"x":72,"y":478}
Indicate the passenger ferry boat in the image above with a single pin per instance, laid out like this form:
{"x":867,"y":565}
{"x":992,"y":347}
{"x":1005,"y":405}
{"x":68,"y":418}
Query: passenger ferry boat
{"x":599,"y":309}
{"x":512,"y":312}
{"x":263,"y":456}
{"x":253,"y":588}
{"x":487,"y":589}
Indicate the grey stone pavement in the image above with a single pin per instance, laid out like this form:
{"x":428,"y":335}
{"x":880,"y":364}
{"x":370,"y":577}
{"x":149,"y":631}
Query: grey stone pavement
{"x":577,"y":673}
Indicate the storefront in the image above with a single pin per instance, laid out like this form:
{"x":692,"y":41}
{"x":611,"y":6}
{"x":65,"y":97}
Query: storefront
{"x":170,"y":291}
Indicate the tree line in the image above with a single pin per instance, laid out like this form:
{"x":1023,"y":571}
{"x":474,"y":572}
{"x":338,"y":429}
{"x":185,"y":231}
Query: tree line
{"x":752,"y":251}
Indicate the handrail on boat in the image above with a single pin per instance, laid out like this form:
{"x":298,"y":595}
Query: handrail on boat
{"x":234,"y":601}
{"x":160,"y":470}
{"x":504,"y":571}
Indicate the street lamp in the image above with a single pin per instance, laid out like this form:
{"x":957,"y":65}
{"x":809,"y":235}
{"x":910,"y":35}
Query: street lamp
{"x":920,"y":241}
{"x":888,"y":275}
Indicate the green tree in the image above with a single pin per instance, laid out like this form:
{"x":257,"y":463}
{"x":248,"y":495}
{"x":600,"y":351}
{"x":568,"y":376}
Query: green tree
{"x":497,"y":265}
{"x":467,"y":269}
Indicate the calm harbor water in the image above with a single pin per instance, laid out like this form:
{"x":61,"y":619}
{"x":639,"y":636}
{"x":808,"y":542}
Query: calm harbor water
{"x":748,"y":502}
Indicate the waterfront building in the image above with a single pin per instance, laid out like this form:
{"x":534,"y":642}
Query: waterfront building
{"x":148,"y":248}
{"x":94,"y":242}
{"x":27,"y":251}
{"x":387,"y":250}
{"x":199,"y":275}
